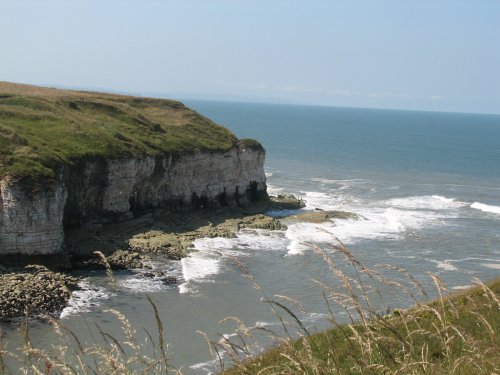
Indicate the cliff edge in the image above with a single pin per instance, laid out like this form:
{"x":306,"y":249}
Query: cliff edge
{"x":74,"y":159}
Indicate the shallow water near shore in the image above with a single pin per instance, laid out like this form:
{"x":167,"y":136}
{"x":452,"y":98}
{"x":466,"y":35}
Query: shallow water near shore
{"x":427,"y":183}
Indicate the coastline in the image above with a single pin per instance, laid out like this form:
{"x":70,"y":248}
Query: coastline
{"x":128,"y":245}
{"x":424,"y":223}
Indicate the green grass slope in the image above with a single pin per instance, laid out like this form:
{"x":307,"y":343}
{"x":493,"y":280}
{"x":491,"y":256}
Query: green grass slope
{"x":43,"y":128}
{"x":457,"y":334}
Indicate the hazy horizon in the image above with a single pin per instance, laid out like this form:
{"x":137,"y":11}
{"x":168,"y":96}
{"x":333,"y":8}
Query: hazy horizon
{"x":184,"y":97}
{"x":429,"y":56}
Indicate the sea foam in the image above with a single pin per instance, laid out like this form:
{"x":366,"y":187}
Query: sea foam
{"x":426,"y":202}
{"x":446,"y":266}
{"x":485,"y":207}
{"x":141,"y":283}
{"x":206,"y":261}
{"x":382,"y":223}
{"x":302,"y":235}
{"x":492,"y":266}
{"x":271,"y":190}
{"x":198,"y":266}
{"x":385,"y":219}
{"x":86,"y":299}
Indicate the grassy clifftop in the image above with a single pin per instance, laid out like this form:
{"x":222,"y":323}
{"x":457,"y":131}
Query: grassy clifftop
{"x":43,"y":128}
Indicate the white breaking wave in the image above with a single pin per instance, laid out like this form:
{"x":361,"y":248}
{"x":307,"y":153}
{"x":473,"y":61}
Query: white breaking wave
{"x":247,"y":239}
{"x":204,"y":263}
{"x":198,"y":266}
{"x":324,"y":180}
{"x":386,"y":219}
{"x":260,"y":240}
{"x":330,"y":201}
{"x":301,"y":235}
{"x":141,"y":283}
{"x":207,"y":261}
{"x":492,"y":266}
{"x":213,"y":244}
{"x":260,"y":324}
{"x":485,"y":207}
{"x":88,"y":298}
{"x":477,"y":258}
{"x":271,"y":190}
{"x":426,"y":202}
{"x":383,"y":223}
{"x":380,"y":223}
{"x":445,"y":265}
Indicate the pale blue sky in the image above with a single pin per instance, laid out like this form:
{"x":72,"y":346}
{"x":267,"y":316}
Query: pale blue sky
{"x":428,"y":55}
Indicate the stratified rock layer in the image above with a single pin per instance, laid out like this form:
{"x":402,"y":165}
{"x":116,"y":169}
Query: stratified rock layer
{"x":32,"y":220}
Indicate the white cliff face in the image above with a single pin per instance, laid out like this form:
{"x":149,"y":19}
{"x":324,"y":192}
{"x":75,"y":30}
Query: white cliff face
{"x":99,"y":191}
{"x":31,"y":222}
{"x":150,"y":183}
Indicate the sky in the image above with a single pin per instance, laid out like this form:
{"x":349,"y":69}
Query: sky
{"x":422,"y":55}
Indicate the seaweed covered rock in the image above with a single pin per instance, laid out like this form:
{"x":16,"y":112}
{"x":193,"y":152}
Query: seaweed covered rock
{"x":33,"y":290}
{"x":173,"y":245}
{"x":261,"y":222}
{"x":124,"y":259}
{"x":286,"y":202}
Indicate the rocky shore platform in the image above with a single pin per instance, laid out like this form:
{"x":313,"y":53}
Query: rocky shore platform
{"x":132,"y":244}
{"x":32,"y":291}
{"x":129,"y":244}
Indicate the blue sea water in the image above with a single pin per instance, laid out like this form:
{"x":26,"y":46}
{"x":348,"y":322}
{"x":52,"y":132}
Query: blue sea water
{"x":412,"y":164}
{"x":427,"y":183}
{"x":351,"y":140}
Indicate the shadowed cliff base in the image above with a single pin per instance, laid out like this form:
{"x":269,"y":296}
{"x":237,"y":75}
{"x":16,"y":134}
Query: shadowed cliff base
{"x":162,"y":232}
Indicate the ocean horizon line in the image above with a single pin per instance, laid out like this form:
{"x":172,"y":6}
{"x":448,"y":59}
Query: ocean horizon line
{"x":243,"y":99}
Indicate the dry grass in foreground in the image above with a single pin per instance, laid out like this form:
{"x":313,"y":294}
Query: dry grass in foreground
{"x":116,"y":353}
{"x":454,"y":334}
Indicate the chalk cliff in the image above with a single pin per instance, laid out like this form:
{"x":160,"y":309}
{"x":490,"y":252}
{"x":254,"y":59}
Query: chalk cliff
{"x":72,"y":159}
{"x":33,"y":221}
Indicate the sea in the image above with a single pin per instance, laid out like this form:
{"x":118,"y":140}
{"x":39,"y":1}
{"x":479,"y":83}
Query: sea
{"x":426,"y":183}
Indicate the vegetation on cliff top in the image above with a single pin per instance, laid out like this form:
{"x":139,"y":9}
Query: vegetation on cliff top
{"x":43,"y":128}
